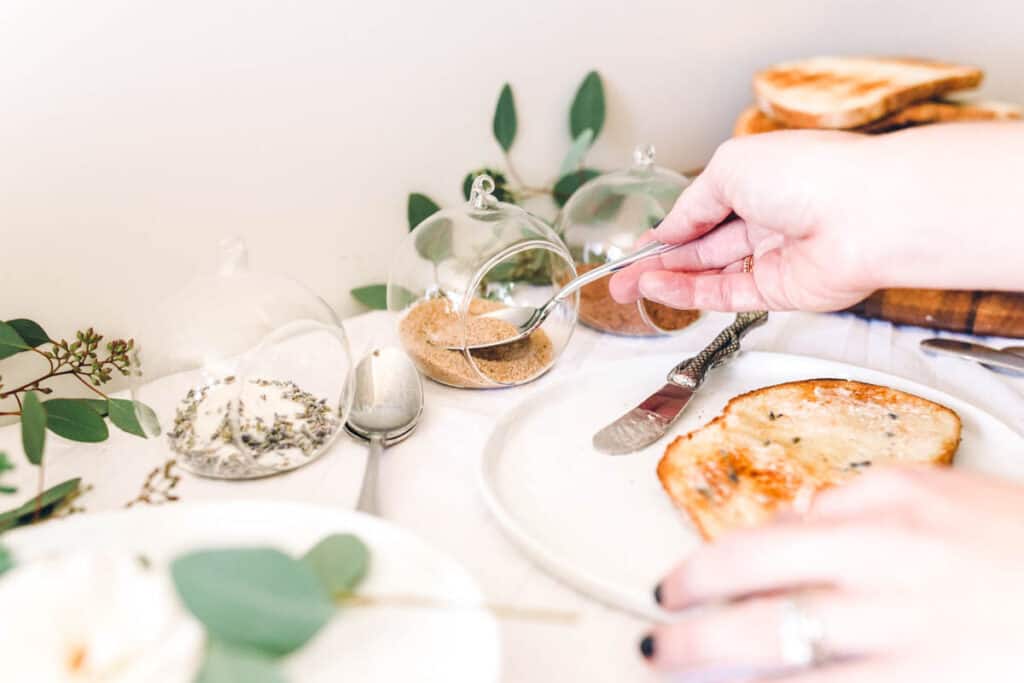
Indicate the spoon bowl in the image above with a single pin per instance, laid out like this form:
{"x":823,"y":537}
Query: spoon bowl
{"x":524,"y":320}
{"x":386,"y":408}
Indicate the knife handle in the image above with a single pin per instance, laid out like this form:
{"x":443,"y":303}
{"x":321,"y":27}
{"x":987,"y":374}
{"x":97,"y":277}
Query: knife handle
{"x":691,"y":372}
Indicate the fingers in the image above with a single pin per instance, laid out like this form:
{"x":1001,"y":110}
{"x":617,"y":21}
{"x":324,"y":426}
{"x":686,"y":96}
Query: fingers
{"x":729,"y":291}
{"x":698,"y":209}
{"x":748,"y":635}
{"x":785,"y":557}
{"x":724,"y":245}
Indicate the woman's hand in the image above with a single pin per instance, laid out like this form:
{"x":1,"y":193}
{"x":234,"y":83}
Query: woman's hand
{"x":829,"y":217}
{"x":913,"y":575}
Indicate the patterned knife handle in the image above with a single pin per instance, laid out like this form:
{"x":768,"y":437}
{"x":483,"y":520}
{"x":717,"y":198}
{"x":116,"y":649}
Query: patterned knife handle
{"x":691,"y":372}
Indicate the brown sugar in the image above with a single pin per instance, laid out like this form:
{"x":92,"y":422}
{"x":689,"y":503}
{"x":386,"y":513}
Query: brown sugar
{"x":430,"y":324}
{"x":599,"y":310}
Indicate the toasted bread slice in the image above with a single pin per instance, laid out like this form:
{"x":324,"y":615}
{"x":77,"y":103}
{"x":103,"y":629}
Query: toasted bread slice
{"x":943,"y":111}
{"x":848,"y":92}
{"x":773,"y":444}
{"x":752,"y":120}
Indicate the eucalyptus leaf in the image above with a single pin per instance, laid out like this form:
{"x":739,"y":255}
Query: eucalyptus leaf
{"x":6,"y":561}
{"x":10,"y":341}
{"x":435,"y":244}
{"x":5,"y":463}
{"x":75,"y":419}
{"x":223,"y":663}
{"x":100,"y":405}
{"x":578,"y":150}
{"x":256,"y":598}
{"x":588,"y":107}
{"x":504,"y":124}
{"x":420,"y":208}
{"x":45,"y":502}
{"x":372,"y":296}
{"x":30,"y":332}
{"x":33,"y":427}
{"x":340,"y":562}
{"x":133,"y":417}
{"x":568,"y":184}
{"x":7,"y":490}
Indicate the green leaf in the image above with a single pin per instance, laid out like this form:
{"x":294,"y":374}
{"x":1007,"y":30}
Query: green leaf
{"x":223,"y":663}
{"x":579,"y":149}
{"x":505,"y":118}
{"x":420,"y":207}
{"x":372,"y":296}
{"x":75,"y":419}
{"x":340,"y":562}
{"x":256,"y":598}
{"x":5,"y":463}
{"x":30,"y":332}
{"x":6,"y":561}
{"x":588,"y":107}
{"x":435,"y":244}
{"x":33,"y":427}
{"x":99,"y":405}
{"x":47,"y":501}
{"x":133,"y":417}
{"x":568,"y":184}
{"x":10,"y":341}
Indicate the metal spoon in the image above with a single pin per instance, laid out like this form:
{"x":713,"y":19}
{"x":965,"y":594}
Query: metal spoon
{"x":387,"y":405}
{"x":526,"y":319}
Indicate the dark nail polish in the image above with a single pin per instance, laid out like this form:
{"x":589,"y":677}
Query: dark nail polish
{"x":657,"y":594}
{"x":647,"y":646}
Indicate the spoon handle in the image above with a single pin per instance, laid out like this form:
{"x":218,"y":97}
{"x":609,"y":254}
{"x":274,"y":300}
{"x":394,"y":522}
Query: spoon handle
{"x":368,"y":494}
{"x":647,"y":251}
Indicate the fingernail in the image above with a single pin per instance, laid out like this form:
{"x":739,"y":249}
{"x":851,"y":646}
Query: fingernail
{"x":647,"y":646}
{"x":657,"y":594}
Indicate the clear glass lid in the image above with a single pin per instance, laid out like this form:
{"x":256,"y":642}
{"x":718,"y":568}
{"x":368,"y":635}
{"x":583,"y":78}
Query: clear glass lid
{"x":247,"y":372}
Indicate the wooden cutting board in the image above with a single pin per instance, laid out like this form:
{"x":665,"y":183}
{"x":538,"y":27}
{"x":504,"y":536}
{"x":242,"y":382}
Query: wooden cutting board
{"x":998,"y":314}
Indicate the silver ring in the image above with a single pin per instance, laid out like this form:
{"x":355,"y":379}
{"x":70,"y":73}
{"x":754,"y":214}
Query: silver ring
{"x":801,"y":636}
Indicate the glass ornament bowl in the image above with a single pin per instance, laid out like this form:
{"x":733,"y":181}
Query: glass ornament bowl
{"x":602,"y":221}
{"x":247,"y":372}
{"x":466,"y":261}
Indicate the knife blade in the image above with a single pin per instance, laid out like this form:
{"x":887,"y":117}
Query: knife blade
{"x":651,"y":420}
{"x":646,"y":423}
{"x":976,"y":352}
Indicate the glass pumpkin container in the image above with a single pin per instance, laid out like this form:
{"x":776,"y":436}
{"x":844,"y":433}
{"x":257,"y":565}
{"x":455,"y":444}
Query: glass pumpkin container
{"x":602,"y":221}
{"x":465,"y":261}
{"x":247,"y":372}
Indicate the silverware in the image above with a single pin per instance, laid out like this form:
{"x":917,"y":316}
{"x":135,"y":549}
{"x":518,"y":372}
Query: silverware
{"x":1009,"y":358}
{"x":650,"y":420}
{"x":526,"y":319}
{"x":386,"y":407}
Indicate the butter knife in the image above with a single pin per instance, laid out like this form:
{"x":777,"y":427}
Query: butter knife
{"x":1000,"y":358}
{"x":651,"y":420}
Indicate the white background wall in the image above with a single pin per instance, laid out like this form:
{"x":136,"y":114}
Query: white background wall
{"x":134,"y":134}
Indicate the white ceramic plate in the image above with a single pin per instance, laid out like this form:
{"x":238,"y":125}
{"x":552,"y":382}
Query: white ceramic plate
{"x":369,"y":645}
{"x":602,"y":523}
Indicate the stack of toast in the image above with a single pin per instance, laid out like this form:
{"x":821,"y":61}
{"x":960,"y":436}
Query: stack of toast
{"x":865,"y":94}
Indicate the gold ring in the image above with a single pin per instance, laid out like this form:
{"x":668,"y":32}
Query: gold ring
{"x":748,"y":263}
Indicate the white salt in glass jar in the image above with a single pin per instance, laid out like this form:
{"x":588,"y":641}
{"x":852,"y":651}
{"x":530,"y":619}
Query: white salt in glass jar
{"x":469,"y":260}
{"x":247,"y":372}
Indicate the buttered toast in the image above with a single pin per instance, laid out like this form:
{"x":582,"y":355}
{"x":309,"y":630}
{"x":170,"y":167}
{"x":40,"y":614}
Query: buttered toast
{"x":849,"y":92}
{"x":770,"y":445}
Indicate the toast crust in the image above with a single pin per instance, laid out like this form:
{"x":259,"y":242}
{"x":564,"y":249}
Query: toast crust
{"x":723,"y":477}
{"x":850,"y":92}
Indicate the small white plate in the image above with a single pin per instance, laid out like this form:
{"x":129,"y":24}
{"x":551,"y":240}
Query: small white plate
{"x":370,"y":645}
{"x":602,"y":523}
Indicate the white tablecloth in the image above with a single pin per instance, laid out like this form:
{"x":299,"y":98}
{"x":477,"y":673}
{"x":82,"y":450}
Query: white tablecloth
{"x":429,"y":483}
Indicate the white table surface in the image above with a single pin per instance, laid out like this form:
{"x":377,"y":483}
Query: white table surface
{"x":429,"y":483}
